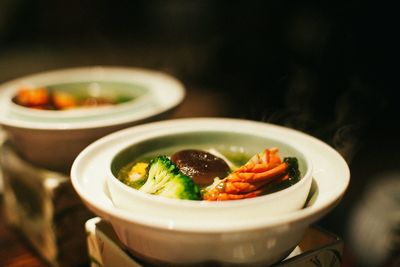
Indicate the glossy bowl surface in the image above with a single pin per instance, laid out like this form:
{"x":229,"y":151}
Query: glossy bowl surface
{"x":244,"y":232}
{"x":52,"y":139}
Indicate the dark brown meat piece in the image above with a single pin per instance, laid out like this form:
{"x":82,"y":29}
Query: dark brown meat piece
{"x":201,"y":166}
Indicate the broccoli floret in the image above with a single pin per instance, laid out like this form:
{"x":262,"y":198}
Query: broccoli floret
{"x":165,"y":179}
{"x":293,"y":169}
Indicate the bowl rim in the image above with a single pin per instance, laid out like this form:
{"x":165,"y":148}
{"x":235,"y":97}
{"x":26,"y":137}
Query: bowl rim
{"x":119,"y":216}
{"x":158,"y":200}
{"x":172,"y":90}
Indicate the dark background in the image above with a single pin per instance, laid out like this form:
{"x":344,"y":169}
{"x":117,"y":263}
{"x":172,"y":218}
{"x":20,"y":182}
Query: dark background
{"x":324,"y":67}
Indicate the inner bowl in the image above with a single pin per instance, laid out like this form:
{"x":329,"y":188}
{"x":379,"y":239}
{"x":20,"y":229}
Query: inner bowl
{"x":231,"y":144}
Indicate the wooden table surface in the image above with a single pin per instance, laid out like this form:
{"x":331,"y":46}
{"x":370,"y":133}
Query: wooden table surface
{"x":14,"y":250}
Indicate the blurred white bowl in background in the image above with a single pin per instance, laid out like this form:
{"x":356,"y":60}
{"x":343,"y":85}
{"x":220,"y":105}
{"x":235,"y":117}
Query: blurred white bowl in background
{"x":52,"y":139}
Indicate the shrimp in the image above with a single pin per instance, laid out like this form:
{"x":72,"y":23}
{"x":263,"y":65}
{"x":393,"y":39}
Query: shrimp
{"x":248,"y":180}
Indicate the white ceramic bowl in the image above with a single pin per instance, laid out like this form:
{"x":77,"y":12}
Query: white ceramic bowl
{"x":52,"y":139}
{"x":258,"y":231}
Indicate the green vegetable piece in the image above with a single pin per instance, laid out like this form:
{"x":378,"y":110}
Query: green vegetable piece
{"x":165,"y":179}
{"x":293,"y":169}
{"x":122,"y":99}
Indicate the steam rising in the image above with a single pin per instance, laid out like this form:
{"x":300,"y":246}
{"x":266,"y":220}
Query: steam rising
{"x":339,"y":118}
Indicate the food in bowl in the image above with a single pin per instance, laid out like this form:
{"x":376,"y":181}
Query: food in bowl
{"x":55,"y":98}
{"x":195,"y":174}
